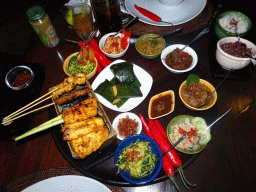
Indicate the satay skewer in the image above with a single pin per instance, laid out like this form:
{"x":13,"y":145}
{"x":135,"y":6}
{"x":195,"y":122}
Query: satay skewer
{"x":28,"y":106}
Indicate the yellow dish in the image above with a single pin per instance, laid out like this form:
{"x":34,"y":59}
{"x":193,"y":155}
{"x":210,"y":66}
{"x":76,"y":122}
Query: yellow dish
{"x":206,"y":106}
{"x":66,"y":63}
{"x":164,"y":101}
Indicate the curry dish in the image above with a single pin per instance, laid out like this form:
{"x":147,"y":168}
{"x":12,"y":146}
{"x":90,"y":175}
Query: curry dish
{"x":150,"y":46}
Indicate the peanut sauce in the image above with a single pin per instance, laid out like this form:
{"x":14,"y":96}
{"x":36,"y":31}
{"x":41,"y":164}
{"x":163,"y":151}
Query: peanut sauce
{"x":161,"y":105}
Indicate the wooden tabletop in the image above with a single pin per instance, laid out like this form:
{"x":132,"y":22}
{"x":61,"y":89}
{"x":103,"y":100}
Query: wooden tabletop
{"x":226,"y":164}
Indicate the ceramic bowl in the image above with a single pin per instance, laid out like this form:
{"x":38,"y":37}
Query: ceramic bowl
{"x":66,"y":63}
{"x":188,"y":50}
{"x":221,"y":32}
{"x":172,"y":100}
{"x":155,"y":150}
{"x":169,"y":131}
{"x":227,"y":61}
{"x":102,"y":43}
{"x":138,"y":42}
{"x":206,"y":106}
{"x":131,"y":116}
{"x":14,"y":72}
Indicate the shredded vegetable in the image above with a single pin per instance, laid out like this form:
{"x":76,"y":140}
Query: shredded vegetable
{"x":137,"y":159}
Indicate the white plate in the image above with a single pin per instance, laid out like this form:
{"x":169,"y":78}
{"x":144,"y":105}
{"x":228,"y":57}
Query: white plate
{"x":178,"y":14}
{"x":146,"y":83}
{"x":131,"y":116}
{"x":67,"y":183}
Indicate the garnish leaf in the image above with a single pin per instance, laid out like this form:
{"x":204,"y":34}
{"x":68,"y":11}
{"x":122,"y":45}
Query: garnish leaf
{"x":192,"y":78}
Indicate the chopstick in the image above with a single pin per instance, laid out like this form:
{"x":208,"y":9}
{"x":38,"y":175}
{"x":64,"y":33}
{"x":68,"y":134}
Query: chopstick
{"x":28,"y":106}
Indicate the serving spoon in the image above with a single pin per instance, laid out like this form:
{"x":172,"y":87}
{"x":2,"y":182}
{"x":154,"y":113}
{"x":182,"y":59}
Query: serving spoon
{"x":209,"y":128}
{"x":204,"y":32}
{"x":208,"y":99}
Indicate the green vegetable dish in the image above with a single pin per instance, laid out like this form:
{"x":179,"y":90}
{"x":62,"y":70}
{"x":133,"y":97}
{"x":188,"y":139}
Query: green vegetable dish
{"x":77,"y":64}
{"x":137,"y":159}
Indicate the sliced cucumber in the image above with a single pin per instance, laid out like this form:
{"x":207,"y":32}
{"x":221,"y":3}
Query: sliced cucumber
{"x":205,"y":138}
{"x":199,"y":122}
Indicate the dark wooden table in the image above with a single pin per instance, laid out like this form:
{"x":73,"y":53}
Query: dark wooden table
{"x":227,"y":163}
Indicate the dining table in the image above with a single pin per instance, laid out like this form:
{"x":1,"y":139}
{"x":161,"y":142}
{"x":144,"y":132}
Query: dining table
{"x":226,"y":164}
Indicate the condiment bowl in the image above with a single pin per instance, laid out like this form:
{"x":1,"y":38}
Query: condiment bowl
{"x":131,"y":116}
{"x":169,"y":131}
{"x":188,"y":50}
{"x":156,"y":99}
{"x":66,"y":63}
{"x":155,"y":150}
{"x":227,"y":61}
{"x":143,"y":37}
{"x":102,"y":43}
{"x":221,"y":32}
{"x":17,"y":72}
{"x":207,"y":105}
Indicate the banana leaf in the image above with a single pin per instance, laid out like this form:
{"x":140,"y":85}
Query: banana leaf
{"x":123,"y":73}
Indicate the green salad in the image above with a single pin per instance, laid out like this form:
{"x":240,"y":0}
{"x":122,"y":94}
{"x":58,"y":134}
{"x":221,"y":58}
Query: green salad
{"x":138,"y":159}
{"x":77,"y":64}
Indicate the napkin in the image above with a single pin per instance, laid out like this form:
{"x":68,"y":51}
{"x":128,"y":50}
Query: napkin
{"x":72,"y":2}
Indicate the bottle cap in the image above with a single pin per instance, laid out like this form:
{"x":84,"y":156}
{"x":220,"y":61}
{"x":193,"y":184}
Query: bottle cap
{"x":35,"y":13}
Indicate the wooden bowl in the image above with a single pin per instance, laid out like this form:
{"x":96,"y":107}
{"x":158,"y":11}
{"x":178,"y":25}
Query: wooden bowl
{"x":206,"y":106}
{"x":66,"y":63}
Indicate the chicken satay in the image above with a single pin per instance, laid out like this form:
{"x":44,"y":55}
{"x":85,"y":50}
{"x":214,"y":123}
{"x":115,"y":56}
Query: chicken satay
{"x":69,"y":83}
{"x":81,"y":111}
{"x":89,"y":143}
{"x":83,"y":128}
{"x":71,"y":96}
{"x":98,"y":121}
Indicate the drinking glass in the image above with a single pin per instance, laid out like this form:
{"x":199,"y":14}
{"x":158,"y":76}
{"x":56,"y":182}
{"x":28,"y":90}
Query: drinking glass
{"x":83,"y":21}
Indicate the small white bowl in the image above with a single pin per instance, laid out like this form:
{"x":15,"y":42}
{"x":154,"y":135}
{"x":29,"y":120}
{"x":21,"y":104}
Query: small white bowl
{"x":188,"y":50}
{"x":123,"y":115}
{"x":227,"y":61}
{"x":102,"y":43}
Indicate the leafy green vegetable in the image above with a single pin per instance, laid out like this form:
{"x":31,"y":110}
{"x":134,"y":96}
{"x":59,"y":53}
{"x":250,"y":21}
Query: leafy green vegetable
{"x":192,"y":78}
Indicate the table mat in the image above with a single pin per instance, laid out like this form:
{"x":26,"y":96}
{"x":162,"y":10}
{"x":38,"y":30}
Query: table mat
{"x":28,"y":180}
{"x":198,"y":22}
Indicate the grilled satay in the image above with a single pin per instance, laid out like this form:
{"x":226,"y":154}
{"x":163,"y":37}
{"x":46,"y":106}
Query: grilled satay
{"x":89,"y":143}
{"x":68,"y":84}
{"x":79,"y":129}
{"x":71,"y":96}
{"x":81,"y":111}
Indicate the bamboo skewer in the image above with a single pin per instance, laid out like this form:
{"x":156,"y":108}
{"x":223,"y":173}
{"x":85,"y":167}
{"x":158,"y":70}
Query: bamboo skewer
{"x":28,"y":106}
{"x":12,"y":119}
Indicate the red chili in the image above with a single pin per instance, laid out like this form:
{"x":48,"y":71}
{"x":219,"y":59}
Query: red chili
{"x":164,"y":144}
{"x":125,"y":38}
{"x":161,"y":129}
{"x":171,"y":155}
{"x":167,"y":165}
{"x":147,"y":13}
{"x":145,"y":126}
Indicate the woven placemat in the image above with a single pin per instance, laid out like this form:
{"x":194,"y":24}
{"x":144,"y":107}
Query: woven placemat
{"x":198,"y":22}
{"x":28,"y":180}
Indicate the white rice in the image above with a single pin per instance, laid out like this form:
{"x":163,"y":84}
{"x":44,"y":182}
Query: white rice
{"x":241,"y":26}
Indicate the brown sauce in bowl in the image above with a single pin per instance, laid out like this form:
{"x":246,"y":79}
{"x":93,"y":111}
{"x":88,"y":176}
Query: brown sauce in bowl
{"x":161,"y":105}
{"x":179,"y":60}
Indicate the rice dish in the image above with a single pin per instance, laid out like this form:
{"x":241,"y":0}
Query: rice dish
{"x":180,"y":129}
{"x":231,"y":21}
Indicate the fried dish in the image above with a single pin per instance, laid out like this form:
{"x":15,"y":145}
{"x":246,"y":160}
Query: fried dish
{"x":113,"y":45}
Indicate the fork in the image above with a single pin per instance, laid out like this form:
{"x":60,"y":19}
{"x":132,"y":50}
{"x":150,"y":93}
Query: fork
{"x":209,"y":128}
